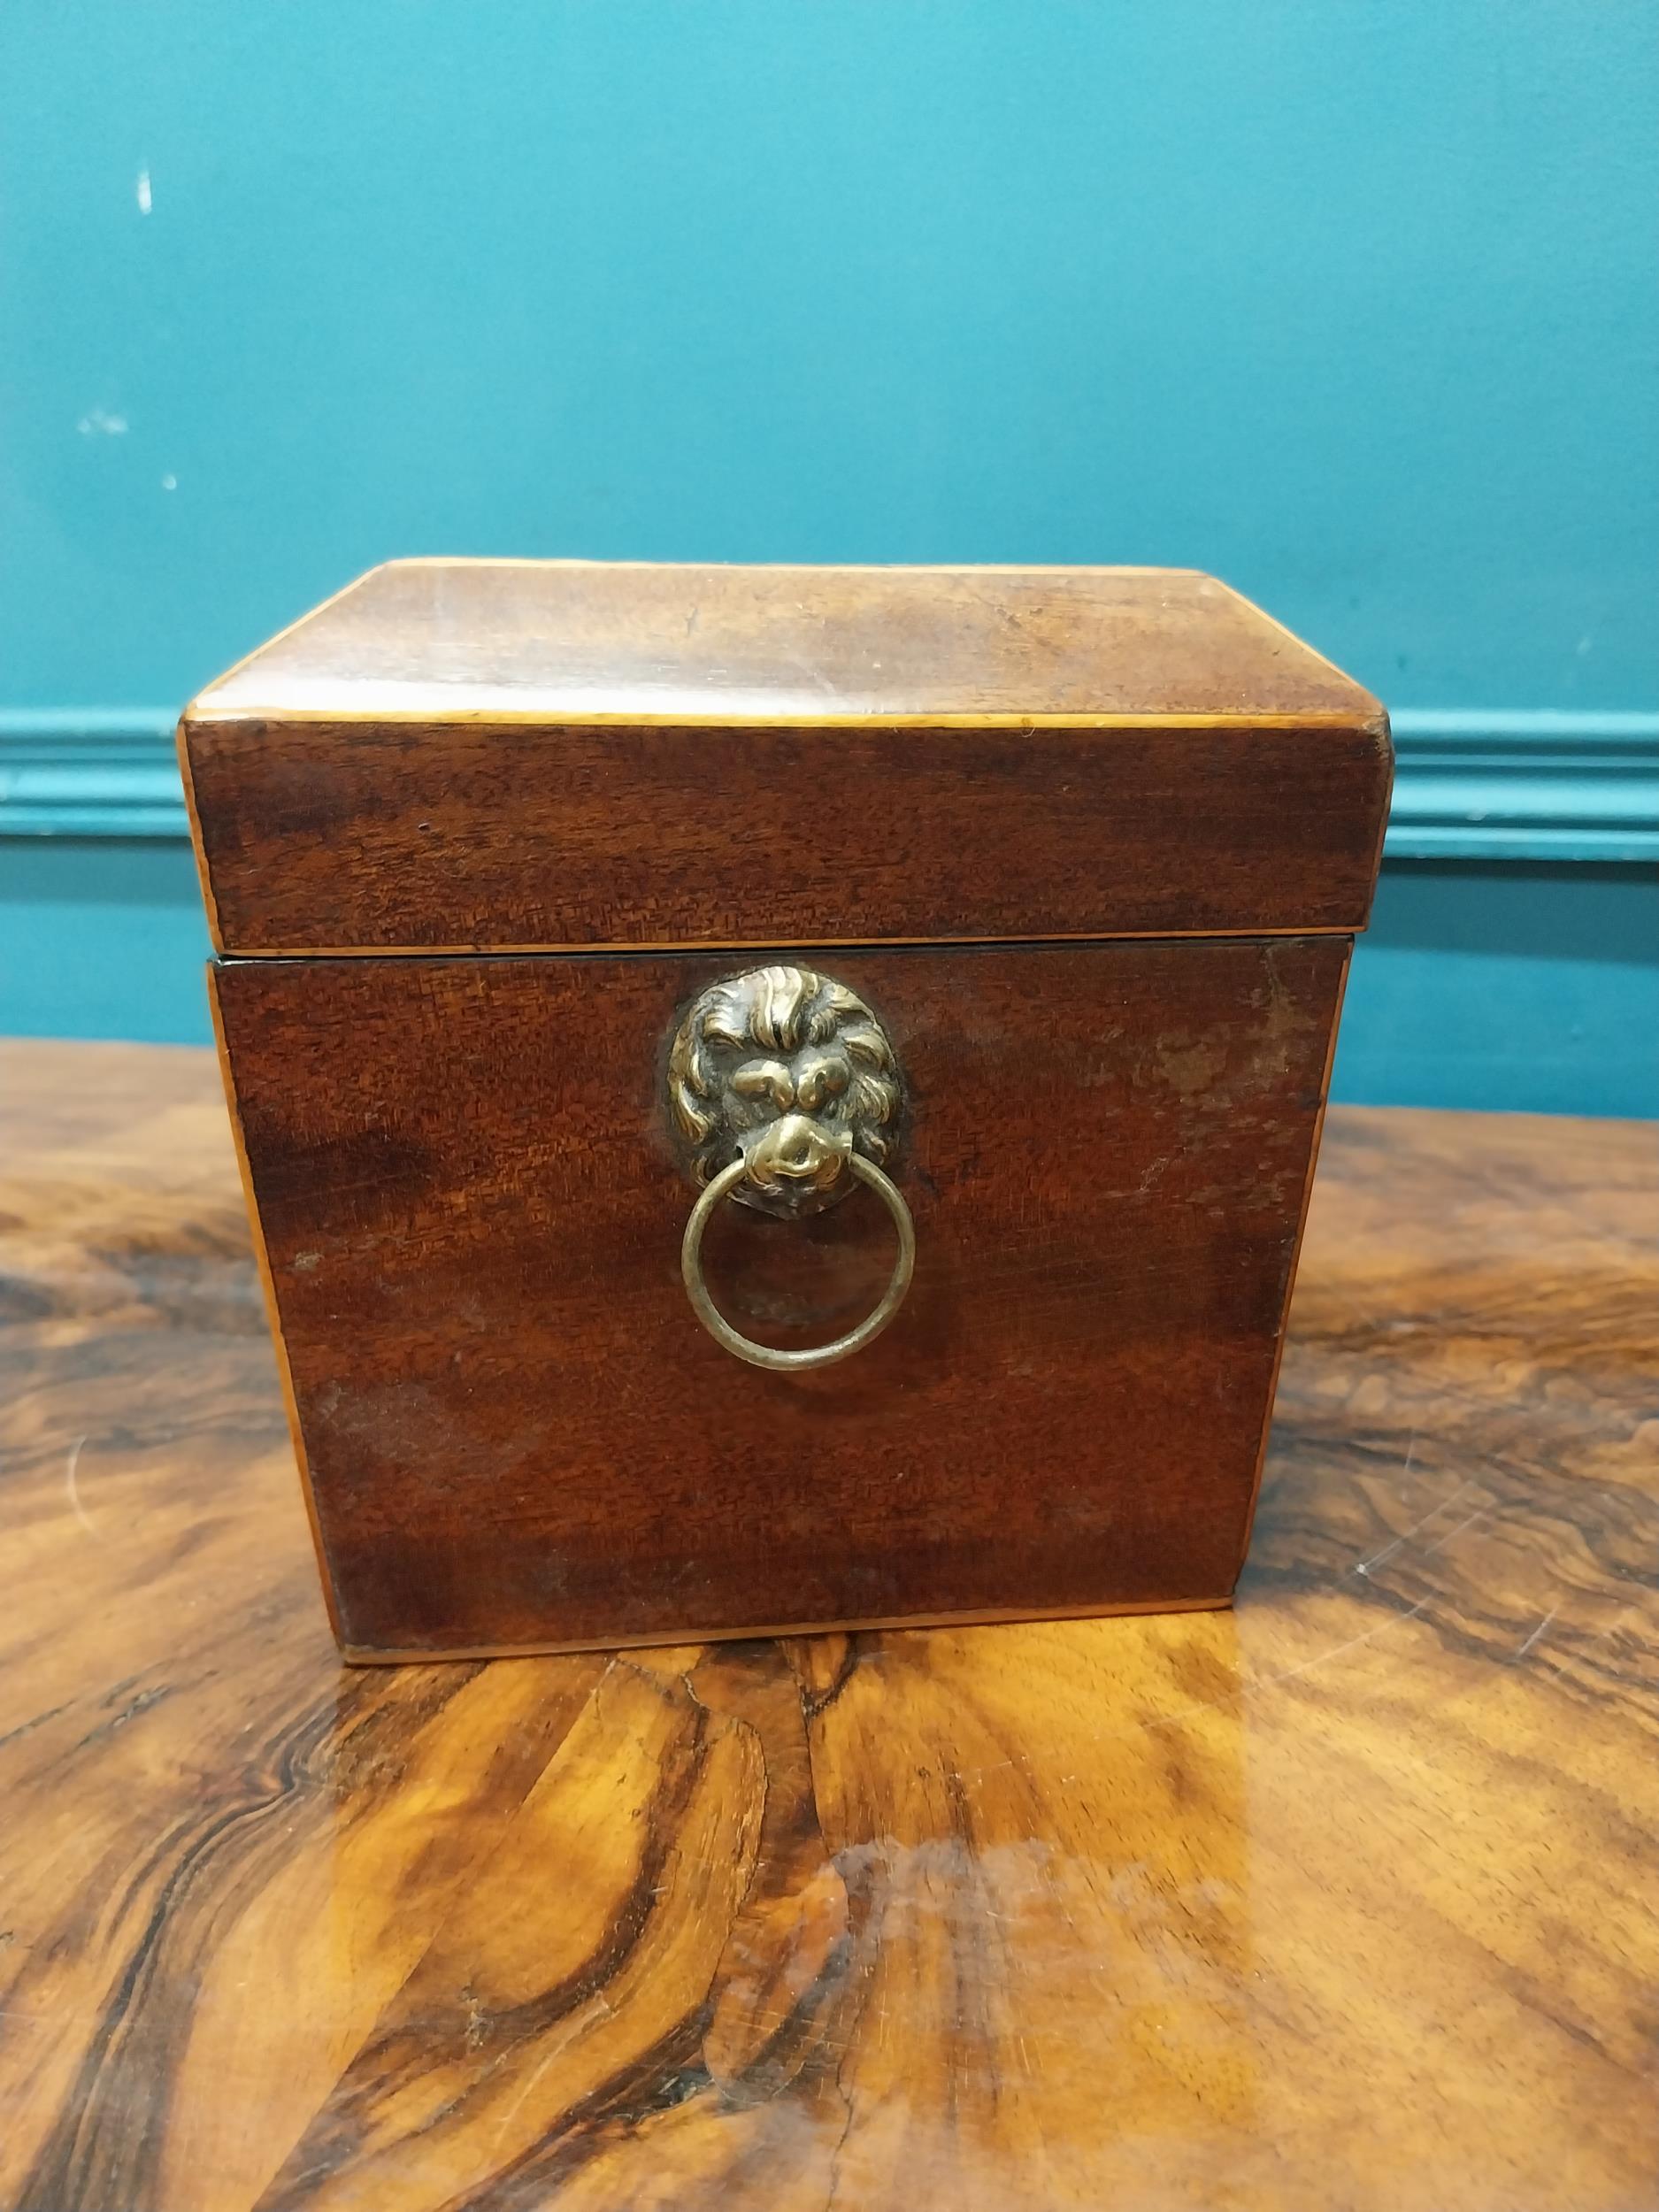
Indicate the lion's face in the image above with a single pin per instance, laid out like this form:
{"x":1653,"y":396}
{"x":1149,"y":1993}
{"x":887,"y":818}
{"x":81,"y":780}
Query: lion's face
{"x":791,"y":1069}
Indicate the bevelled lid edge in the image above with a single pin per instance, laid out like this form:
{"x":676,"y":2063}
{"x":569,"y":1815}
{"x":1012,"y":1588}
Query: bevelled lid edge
{"x":718,"y":645}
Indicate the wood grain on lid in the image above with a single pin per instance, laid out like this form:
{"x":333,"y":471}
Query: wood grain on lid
{"x":584,"y":640}
{"x":519,"y":757}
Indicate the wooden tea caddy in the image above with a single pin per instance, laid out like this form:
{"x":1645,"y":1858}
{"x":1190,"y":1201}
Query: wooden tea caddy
{"x":586,"y":932}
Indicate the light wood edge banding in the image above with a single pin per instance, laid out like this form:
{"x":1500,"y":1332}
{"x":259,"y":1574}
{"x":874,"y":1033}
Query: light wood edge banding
{"x":370,"y":1656}
{"x":617,"y":949}
{"x":1367,"y":721}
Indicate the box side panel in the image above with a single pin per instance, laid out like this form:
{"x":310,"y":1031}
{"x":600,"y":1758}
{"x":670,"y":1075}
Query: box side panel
{"x":519,"y":1437}
{"x":358,"y":836}
{"x":198,"y":843}
{"x":262,"y":1260}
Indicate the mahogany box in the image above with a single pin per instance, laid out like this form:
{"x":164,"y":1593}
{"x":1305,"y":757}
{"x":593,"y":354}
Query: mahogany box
{"x":774,"y":1098}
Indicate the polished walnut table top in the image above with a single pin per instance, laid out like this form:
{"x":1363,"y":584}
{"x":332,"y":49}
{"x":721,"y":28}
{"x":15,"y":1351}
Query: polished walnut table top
{"x":1344,"y":1899}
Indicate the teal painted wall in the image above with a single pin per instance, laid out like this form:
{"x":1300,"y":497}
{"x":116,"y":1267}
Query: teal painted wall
{"x":1522,"y":988}
{"x":101,"y":938}
{"x":1353,"y":305}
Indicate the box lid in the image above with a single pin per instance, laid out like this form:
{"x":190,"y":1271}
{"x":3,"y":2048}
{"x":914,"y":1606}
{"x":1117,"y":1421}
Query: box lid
{"x":499,"y":756}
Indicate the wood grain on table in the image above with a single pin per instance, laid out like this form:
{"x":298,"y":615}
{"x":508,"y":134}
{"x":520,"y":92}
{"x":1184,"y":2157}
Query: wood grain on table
{"x":1344,"y":1899}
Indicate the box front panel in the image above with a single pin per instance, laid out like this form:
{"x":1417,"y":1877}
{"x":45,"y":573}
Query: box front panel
{"x":517,"y":1434}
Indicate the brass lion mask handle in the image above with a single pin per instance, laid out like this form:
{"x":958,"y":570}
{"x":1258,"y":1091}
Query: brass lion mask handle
{"x":786,"y":1091}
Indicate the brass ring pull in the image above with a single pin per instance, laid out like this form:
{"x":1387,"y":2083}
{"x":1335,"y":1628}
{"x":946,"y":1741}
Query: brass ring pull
{"x":821,"y":1354}
{"x":783,"y":1091}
